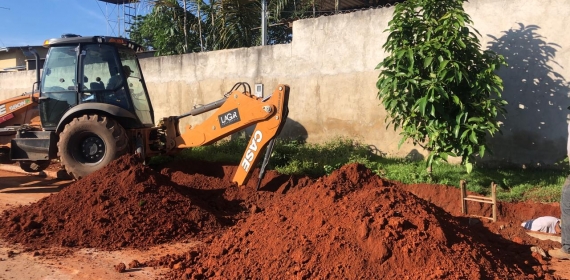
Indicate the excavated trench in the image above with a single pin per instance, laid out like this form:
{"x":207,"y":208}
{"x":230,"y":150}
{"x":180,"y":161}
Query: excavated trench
{"x":351,"y":224}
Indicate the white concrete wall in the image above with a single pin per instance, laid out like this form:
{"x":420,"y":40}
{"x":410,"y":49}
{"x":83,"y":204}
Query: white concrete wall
{"x":330,"y":66}
{"x":533,"y":36}
{"x":16,"y":83}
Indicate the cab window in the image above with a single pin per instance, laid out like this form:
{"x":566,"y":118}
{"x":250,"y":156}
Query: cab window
{"x":135,"y":86}
{"x":102,"y":80}
{"x":59,"y":71}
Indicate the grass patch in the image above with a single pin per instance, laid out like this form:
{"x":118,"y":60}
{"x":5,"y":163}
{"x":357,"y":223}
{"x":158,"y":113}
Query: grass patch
{"x":296,"y":157}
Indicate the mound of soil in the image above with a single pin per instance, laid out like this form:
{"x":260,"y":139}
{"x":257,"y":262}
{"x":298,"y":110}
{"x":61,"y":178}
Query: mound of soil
{"x":125,"y":204}
{"x":350,"y":225}
{"x":354,"y":225}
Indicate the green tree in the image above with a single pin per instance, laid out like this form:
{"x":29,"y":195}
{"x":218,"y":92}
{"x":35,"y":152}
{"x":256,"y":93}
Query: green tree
{"x":281,"y":14}
{"x":213,"y":25}
{"x":436,"y":83}
{"x":234,"y":23}
{"x":167,"y":29}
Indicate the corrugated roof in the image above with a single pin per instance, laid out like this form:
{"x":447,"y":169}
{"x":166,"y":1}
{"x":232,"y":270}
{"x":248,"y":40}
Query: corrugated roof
{"x":119,"y":1}
{"x":15,"y":68}
{"x":7,"y":49}
{"x":329,"y":5}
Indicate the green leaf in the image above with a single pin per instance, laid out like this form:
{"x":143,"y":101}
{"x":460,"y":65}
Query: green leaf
{"x":411,"y":58}
{"x":469,"y":167}
{"x":464,"y":134}
{"x":458,"y":16}
{"x":461,"y":44}
{"x":429,"y":162}
{"x":443,"y":64}
{"x":401,"y":142}
{"x":473,"y":137}
{"x":422,"y":104}
{"x":443,"y":74}
{"x":427,"y":61}
{"x":400,"y":53}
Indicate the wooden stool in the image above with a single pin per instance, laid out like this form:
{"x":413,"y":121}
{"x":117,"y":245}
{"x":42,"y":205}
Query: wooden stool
{"x":483,"y":199}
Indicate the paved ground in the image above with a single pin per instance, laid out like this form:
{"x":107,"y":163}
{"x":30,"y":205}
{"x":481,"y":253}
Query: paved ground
{"x":17,"y":189}
{"x":20,"y":189}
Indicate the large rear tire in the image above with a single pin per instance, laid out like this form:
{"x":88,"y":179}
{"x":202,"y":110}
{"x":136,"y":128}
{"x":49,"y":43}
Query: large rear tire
{"x":89,"y":143}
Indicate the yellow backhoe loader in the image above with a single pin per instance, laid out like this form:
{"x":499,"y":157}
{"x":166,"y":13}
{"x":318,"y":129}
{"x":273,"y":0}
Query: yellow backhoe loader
{"x":91,"y":106}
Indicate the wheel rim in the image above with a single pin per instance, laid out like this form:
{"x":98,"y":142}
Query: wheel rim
{"x":91,"y":149}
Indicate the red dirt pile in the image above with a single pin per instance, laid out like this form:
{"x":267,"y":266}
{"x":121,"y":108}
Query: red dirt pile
{"x":352,"y":225}
{"x":349,"y":225}
{"x":126,"y":204}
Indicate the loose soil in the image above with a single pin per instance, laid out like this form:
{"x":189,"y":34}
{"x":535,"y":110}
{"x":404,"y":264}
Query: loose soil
{"x":351,"y":224}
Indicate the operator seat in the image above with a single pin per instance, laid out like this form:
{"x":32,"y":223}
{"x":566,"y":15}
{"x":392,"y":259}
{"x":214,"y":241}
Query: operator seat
{"x":97,"y":85}
{"x":119,"y":97}
{"x":96,"y":90}
{"x":116,"y":81}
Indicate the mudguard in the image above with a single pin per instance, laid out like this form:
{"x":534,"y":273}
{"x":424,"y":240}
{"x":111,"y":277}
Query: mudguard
{"x":125,"y":118}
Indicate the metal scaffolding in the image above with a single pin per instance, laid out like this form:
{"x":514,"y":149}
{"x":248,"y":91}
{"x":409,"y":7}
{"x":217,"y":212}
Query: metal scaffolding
{"x":120,"y":15}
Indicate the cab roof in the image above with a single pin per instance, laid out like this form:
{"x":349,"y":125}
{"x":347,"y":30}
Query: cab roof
{"x":72,"y":40}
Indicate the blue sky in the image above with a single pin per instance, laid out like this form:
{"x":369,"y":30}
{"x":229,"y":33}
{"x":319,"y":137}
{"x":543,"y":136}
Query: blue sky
{"x":30,"y":22}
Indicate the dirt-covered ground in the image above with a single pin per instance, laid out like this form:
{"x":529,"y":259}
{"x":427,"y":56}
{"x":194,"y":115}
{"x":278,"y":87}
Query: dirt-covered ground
{"x":351,"y":224}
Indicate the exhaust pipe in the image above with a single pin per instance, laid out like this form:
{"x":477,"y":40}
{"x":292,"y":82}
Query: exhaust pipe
{"x":37,"y":55}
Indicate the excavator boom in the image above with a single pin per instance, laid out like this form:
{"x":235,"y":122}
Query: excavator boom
{"x":237,"y":111}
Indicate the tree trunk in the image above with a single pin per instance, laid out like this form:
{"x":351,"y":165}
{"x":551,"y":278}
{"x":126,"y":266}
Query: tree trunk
{"x":200,"y":26}
{"x":185,"y":28}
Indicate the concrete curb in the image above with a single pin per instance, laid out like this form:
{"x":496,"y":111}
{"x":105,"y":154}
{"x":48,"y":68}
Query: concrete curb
{"x":46,"y":173}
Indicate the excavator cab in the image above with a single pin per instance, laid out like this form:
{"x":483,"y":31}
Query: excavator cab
{"x":98,"y":73}
{"x":91,"y":92}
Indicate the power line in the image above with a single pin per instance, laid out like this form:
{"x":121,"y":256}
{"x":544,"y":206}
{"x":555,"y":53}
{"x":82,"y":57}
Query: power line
{"x":0,"y":39}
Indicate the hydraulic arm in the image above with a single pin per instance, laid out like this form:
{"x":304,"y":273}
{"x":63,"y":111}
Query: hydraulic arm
{"x":236,"y":111}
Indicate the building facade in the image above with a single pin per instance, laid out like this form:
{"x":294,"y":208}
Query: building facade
{"x":20,"y":58}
